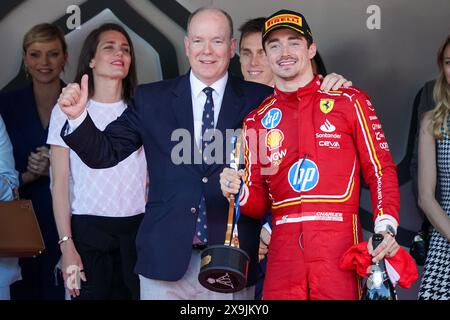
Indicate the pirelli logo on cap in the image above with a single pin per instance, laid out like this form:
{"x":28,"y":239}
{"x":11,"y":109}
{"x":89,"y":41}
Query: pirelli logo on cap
{"x":287,"y":19}
{"x":284,"y":18}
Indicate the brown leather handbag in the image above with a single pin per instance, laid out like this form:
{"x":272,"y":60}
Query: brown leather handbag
{"x":20,"y":235}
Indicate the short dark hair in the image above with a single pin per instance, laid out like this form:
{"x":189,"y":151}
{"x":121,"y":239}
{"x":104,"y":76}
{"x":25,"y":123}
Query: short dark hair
{"x":252,"y":26}
{"x":320,"y":65}
{"x":227,"y":16}
{"x":88,"y":53}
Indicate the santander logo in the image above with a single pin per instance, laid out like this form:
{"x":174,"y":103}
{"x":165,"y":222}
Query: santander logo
{"x":327,"y":127}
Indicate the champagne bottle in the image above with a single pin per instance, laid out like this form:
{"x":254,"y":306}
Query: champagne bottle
{"x":378,"y":286}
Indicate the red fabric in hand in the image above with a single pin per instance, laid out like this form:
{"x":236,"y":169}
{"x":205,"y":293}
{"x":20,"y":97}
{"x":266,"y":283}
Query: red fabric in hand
{"x":358,"y":259}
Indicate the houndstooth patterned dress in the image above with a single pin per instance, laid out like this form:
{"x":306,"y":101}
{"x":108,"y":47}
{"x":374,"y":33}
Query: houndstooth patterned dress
{"x":436,"y":278}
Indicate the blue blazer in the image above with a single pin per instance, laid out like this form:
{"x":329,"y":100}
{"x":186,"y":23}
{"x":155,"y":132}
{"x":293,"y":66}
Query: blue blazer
{"x":164,"y":240}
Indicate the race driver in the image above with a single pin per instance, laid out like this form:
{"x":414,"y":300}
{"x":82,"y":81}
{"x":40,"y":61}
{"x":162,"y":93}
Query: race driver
{"x":304,"y":151}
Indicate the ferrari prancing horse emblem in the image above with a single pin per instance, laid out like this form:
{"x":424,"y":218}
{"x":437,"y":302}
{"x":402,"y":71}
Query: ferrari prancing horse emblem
{"x":326,"y":105}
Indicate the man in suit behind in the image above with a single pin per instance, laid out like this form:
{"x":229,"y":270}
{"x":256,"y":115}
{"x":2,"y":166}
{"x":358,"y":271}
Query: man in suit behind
{"x":168,"y":247}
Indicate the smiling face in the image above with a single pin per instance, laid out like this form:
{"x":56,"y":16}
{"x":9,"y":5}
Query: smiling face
{"x":289,"y":57}
{"x":44,"y":61}
{"x":209,"y":45}
{"x":254,"y":63}
{"x":113,"y":56}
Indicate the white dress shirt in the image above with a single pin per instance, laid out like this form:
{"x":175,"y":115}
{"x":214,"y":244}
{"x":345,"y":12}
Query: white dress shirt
{"x":199,"y":99}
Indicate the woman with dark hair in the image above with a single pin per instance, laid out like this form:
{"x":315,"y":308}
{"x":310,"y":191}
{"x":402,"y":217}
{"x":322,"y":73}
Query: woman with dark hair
{"x":26,"y":113}
{"x":434,"y":169}
{"x":98,"y":211}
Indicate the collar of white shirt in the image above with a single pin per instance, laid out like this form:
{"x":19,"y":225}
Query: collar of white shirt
{"x":197,"y":86}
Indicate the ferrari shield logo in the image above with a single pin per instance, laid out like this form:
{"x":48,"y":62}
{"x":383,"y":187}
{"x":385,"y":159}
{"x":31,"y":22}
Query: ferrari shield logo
{"x":326,"y":105}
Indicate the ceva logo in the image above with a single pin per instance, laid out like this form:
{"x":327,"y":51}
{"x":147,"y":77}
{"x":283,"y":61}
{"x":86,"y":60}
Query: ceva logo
{"x":303,"y":175}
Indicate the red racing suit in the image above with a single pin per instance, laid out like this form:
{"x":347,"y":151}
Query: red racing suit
{"x":304,"y":152}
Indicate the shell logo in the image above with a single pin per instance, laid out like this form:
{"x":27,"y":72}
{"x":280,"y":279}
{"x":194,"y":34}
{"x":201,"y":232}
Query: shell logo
{"x":274,"y":139}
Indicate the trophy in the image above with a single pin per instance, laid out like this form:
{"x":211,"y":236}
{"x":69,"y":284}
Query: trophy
{"x":224,"y":267}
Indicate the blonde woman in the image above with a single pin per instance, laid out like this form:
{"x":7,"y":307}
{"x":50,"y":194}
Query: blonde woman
{"x":434,"y":168}
{"x":26,"y":113}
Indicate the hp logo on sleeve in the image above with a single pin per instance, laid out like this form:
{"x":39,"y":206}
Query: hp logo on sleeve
{"x":272,"y":119}
{"x":303,"y":175}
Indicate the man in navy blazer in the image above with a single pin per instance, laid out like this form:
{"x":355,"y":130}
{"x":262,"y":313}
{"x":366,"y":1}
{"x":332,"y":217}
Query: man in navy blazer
{"x":165,"y":238}
{"x":159,"y":115}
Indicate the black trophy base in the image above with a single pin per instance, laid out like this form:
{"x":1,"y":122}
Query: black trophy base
{"x":223,"y":269}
